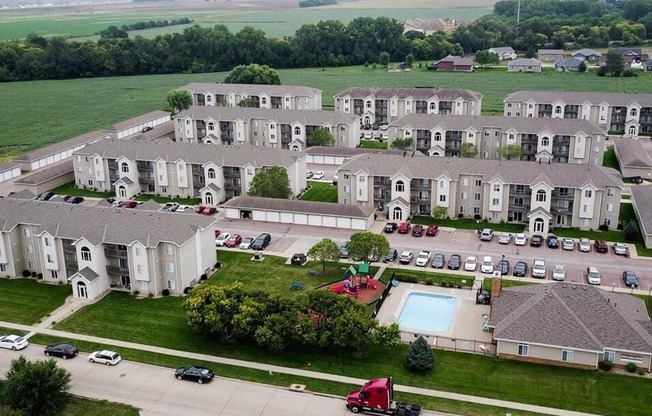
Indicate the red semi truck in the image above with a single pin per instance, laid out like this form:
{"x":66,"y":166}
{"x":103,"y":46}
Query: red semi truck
{"x":376,"y":397}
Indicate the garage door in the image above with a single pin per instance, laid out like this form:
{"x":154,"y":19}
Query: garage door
{"x":329,"y":221}
{"x":314,"y":220}
{"x":287,"y":218}
{"x":273,"y":216}
{"x":309,"y":158}
{"x":329,"y":160}
{"x":300,"y":219}
{"x":339,"y":160}
{"x":232,"y":213}
{"x":343,"y":222}
{"x":259,"y":216}
{"x":318,"y":160}
{"x":358,"y":224}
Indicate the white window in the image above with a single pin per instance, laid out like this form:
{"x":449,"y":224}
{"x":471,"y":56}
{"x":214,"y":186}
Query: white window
{"x":585,"y":208}
{"x":476,"y":196}
{"x":442,"y":198}
{"x":465,"y":181}
{"x":441,"y":184}
{"x":85,"y":254}
{"x":523,"y":349}
{"x":400,"y":186}
{"x":3,"y":267}
{"x":608,"y":207}
{"x":545,"y":141}
{"x":610,"y":192}
{"x":346,"y":188}
{"x":139,"y":269}
{"x":49,"y":258}
{"x":478,"y":182}
{"x":172,"y":285}
{"x":54,"y":274}
{"x":137,"y":251}
{"x":168,"y":249}
{"x":28,"y":248}
{"x":169,"y":266}
{"x":462,"y":209}
{"x":359,"y":192}
{"x":361,"y":179}
{"x":27,"y":232}
{"x":124,"y":167}
{"x":541,"y":195}
{"x":495,"y":201}
{"x":143,"y":287}
{"x":496,"y":188}
{"x":463,"y":195}
{"x":30,"y":265}
{"x":584,"y":222}
{"x":211,"y":173}
{"x":567,"y":356}
{"x":588,"y":193}
{"x":476,"y":210}
{"x":610,"y":356}
{"x":47,"y":242}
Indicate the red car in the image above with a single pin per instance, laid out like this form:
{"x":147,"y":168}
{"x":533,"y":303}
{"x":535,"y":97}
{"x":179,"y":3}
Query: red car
{"x":601,"y":246}
{"x":417,"y":231}
{"x":199,"y":209}
{"x":217,"y":233}
{"x":432,"y":230}
{"x":234,"y":241}
{"x":404,"y":228}
{"x":209,"y":211}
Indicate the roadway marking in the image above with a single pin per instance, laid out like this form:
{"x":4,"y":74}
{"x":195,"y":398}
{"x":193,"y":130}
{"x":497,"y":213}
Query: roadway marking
{"x":461,"y":236}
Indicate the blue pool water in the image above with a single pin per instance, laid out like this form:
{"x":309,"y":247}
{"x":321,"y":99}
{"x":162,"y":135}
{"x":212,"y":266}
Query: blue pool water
{"x":427,"y":312}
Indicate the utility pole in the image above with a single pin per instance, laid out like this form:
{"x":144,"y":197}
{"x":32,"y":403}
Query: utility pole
{"x":518,"y":12}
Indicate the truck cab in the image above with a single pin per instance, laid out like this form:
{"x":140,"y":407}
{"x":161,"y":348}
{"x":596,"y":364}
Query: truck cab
{"x":376,"y":397}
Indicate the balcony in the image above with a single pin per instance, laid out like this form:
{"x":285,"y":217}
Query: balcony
{"x":117,"y":270}
{"x":145,"y":181}
{"x":145,"y":167}
{"x":232,"y":185}
{"x":115,"y":253}
{"x":382,"y":182}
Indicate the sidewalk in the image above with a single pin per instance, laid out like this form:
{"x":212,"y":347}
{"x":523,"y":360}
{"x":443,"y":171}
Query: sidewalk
{"x":294,"y":371}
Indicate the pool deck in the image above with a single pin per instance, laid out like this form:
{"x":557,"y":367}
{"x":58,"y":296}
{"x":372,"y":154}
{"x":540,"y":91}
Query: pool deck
{"x":467,"y":319}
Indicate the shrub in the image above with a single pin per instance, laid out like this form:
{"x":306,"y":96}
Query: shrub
{"x":203,"y":277}
{"x":420,"y":357}
{"x":460,"y":215}
{"x":641,"y":372}
{"x":603,"y":227}
{"x":39,"y":276}
{"x":429,"y":281}
{"x":136,"y":293}
{"x":165,"y":292}
{"x":631,"y":367}
{"x":366,"y":64}
{"x":605,"y":365}
{"x":150,"y":295}
{"x":187,"y":290}
{"x":444,"y":284}
{"x":410,"y":278}
{"x":34,"y":274}
{"x":477,"y":217}
{"x":628,"y":73}
{"x":631,"y":230}
{"x":218,"y":265}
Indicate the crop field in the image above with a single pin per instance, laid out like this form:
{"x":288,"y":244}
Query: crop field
{"x":38,"y":113}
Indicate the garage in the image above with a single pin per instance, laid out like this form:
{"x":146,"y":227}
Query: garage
{"x":317,"y":214}
{"x":336,"y":156}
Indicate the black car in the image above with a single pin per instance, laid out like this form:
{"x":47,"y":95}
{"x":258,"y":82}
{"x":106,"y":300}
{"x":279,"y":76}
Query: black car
{"x":64,"y":351}
{"x":390,"y":227}
{"x":536,"y":240}
{"x":261,"y":241}
{"x":503,"y":266}
{"x":520,"y":269}
{"x":194,"y":373}
{"x":552,"y":241}
{"x":344,"y":251}
{"x":630,"y":279}
{"x":75,"y":200}
{"x":298,"y":259}
{"x":146,"y":129}
{"x":45,"y":196}
{"x":636,"y":179}
{"x":391,"y":256}
{"x":454,"y":262}
{"x":438,"y":261}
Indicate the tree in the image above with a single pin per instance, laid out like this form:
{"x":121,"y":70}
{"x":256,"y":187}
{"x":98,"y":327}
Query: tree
{"x":631,"y":230}
{"x":253,"y":74}
{"x":8,"y":411}
{"x":325,"y":251}
{"x":409,"y":60}
{"x":420,"y":357}
{"x":384,"y":59}
{"x":440,"y":212}
{"x":36,"y":387}
{"x":583,"y":67}
{"x":179,"y":100}
{"x":271,"y":183}
{"x":614,"y":64}
{"x":321,"y":137}
{"x":365,"y":243}
{"x":247,"y":102}
{"x":211,"y":308}
{"x":468,"y":150}
{"x":401,"y":144}
{"x":486,"y":58}
{"x":510,"y":151}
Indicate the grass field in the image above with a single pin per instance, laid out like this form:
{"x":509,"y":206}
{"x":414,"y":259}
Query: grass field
{"x":74,"y":107}
{"x":70,"y":189}
{"x":373,"y":144}
{"x":320,"y":191}
{"x":468,"y":224}
{"x":25,"y":301}
{"x":610,"y":160}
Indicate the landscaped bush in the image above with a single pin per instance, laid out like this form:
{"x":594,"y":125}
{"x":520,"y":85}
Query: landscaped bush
{"x":27,"y":273}
{"x":429,"y":281}
{"x":603,"y":227}
{"x":136,"y":293}
{"x":631,"y":367}
{"x":605,"y":365}
{"x":410,"y":278}
{"x":203,"y":277}
{"x":187,"y":290}
{"x":420,"y":357}
{"x":165,"y":292}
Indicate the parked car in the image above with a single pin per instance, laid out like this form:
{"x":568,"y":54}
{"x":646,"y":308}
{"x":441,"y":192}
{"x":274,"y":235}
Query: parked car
{"x":417,"y":230}
{"x":390,"y":227}
{"x":146,"y":129}
{"x":620,"y":249}
{"x":194,"y":373}
{"x":536,"y":240}
{"x":601,"y":246}
{"x":487,"y":234}
{"x":199,"y":209}
{"x":222,"y":239}
{"x":209,"y":211}
{"x":13,"y":342}
{"x":127,"y":204}
{"x":45,"y":196}
{"x":630,"y":278}
{"x":520,"y":269}
{"x":234,"y":241}
{"x":261,"y":241}
{"x":64,"y":351}
{"x":335,"y":178}
{"x":75,"y":200}
{"x":503,"y":266}
{"x":373,"y":255}
{"x":636,"y":179}
{"x":406,"y":257}
{"x":539,"y":269}
{"x":487,"y":265}
{"x":584,"y":245}
{"x":505,"y":238}
{"x":344,"y":251}
{"x":568,"y":244}
{"x":246,"y":243}
{"x":318,"y":175}
{"x":423,"y":258}
{"x":391,"y":256}
{"x":298,"y":259}
{"x":105,"y":357}
{"x":432,"y":230}
{"x":217,"y":233}
{"x":66,"y":198}
{"x":170,"y":207}
{"x":454,"y":262}
{"x":310,"y":174}
{"x":404,"y":228}
{"x":593,"y":275}
{"x":520,"y":240}
{"x":438,"y":261}
{"x":559,"y":272}
{"x":471,"y":263}
{"x":552,"y":241}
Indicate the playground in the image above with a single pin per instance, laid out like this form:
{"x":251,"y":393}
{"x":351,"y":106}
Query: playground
{"x":359,"y":284}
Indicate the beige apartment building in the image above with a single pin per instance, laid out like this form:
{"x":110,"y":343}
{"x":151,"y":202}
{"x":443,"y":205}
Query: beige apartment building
{"x":621,"y":114}
{"x":284,"y":97}
{"x":283,"y":129}
{"x":95,"y":249}
{"x":540,"y":195}
{"x":385,"y":105}
{"x":556,"y":140}
{"x":180,"y":170}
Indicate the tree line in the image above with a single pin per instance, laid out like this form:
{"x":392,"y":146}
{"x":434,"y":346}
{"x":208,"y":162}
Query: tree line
{"x":121,"y":32}
{"x":315,"y":3}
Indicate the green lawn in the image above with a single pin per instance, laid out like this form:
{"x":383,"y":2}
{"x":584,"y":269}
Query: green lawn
{"x":429,"y":273}
{"x":610,"y":160}
{"x":165,"y":199}
{"x":70,"y":189}
{"x":373,"y":144}
{"x":468,"y":224}
{"x":486,"y":283}
{"x":7,"y":331}
{"x":26,"y":301}
{"x":320,"y":191}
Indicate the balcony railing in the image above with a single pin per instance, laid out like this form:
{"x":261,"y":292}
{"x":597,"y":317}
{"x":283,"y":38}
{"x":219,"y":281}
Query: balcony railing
{"x":115,"y":253}
{"x":117,"y":270}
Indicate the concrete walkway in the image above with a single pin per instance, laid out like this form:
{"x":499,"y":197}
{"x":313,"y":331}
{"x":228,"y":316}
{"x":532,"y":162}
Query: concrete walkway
{"x":293,"y":371}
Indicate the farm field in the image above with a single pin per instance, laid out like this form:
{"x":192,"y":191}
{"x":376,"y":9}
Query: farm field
{"x":68,"y":108}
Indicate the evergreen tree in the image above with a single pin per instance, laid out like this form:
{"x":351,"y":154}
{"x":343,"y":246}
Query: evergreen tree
{"x":420,"y":357}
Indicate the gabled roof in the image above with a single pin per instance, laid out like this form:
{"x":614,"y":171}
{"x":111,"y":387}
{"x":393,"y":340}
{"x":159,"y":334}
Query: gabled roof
{"x":252,"y":89}
{"x":569,"y":62}
{"x":457,"y":60}
{"x":297,"y":206}
{"x":631,"y":153}
{"x":64,"y":145}
{"x":279,"y":116}
{"x":626,"y":51}
{"x":502,"y":49}
{"x":553,"y":51}
{"x":642,"y":199}
{"x":8,"y":166}
{"x":48,"y":173}
{"x":149,"y":205}
{"x":578,"y":98}
{"x":415,"y":93}
{"x":346,"y":151}
{"x":586,"y":52}
{"x":524,"y":61}
{"x":88,"y":274}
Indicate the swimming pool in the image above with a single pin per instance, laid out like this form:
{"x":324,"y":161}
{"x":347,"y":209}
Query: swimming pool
{"x":427,"y":312}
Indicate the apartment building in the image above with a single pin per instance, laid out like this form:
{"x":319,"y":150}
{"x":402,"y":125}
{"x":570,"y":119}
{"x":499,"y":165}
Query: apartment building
{"x":180,"y":170}
{"x":540,"y":195}
{"x":283,"y":97}
{"x":626,"y":115}
{"x":556,"y":140}
{"x":385,"y":105}
{"x":284,"y":129}
{"x":95,"y":249}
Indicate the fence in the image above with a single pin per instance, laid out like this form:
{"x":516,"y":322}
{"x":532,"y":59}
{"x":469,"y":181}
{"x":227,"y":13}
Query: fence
{"x":383,"y":296}
{"x":452,"y":344}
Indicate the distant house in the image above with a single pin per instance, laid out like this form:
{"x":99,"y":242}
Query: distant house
{"x":648,"y":65}
{"x":568,"y":65}
{"x":455,"y":63}
{"x":587,"y":55}
{"x":524,"y":65}
{"x":505,"y":53}
{"x":550,"y":55}
{"x":630,"y":55}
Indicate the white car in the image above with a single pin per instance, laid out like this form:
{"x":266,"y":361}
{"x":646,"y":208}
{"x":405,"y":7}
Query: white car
{"x":246,"y":243}
{"x":13,"y":342}
{"x":318,"y":175}
{"x":505,"y":238}
{"x":520,"y":240}
{"x":559,"y":272}
{"x":221,"y":240}
{"x":584,"y":245}
{"x":539,"y":269}
{"x":471,"y":263}
{"x":620,"y":249}
{"x":105,"y":357}
{"x":423,"y":258}
{"x":593,"y":275}
{"x":487,"y":265}
{"x":568,"y":244}
{"x":406,"y":257}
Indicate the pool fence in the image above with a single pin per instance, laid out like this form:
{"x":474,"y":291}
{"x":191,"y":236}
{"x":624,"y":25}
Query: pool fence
{"x":451,"y":344}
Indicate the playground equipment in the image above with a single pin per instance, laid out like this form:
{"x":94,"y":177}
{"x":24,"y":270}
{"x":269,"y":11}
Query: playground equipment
{"x":354,"y":280}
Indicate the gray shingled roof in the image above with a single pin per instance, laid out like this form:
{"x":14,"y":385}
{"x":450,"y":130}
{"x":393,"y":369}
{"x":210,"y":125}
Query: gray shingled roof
{"x":280,"y":116}
{"x":252,"y":89}
{"x":24,"y":194}
{"x":8,"y":166}
{"x":47,"y":173}
{"x":457,"y":60}
{"x":577,"y":98}
{"x":196,"y":153}
{"x":569,"y":62}
{"x":631,"y":153}
{"x":88,"y":273}
{"x":348,"y":151}
{"x":58,"y":147}
{"x":149,"y":205}
{"x":415,"y":93}
{"x":567,"y":175}
{"x":101,"y":225}
{"x":502,"y":49}
{"x":586,"y":52}
{"x":642,"y":198}
{"x":311,"y":207}
{"x":126,"y":124}
{"x":524,"y":61}
{"x":561,"y":126}
{"x":550,"y":51}
{"x":572,"y":315}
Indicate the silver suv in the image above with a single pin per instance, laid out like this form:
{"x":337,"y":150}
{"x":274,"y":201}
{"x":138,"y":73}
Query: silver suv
{"x":487,"y":234}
